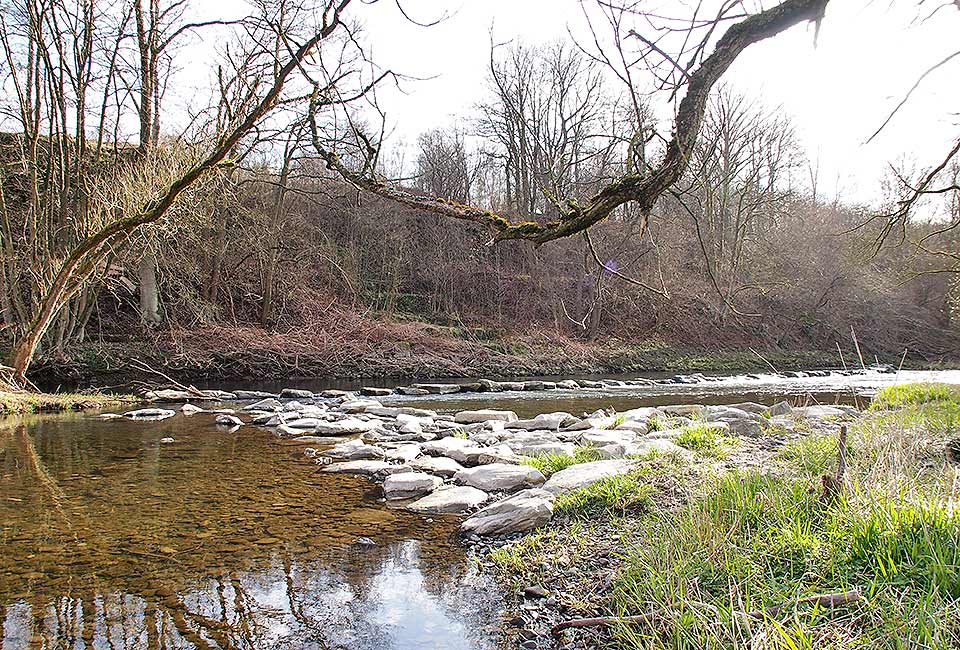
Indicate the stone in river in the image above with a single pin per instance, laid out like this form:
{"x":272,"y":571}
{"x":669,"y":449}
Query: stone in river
{"x":369,"y":468}
{"x":296,"y":393}
{"x":410,"y":390}
{"x":253,"y":394}
{"x":372,"y":391}
{"x":409,"y":485}
{"x":438,"y":389}
{"x":441,"y":465}
{"x":268,"y":404}
{"x":485,"y":415}
{"x":345,"y":427}
{"x":500,"y":477}
{"x":522,"y":512}
{"x":450,"y":498}
{"x":229,"y":421}
{"x":150,"y":414}
{"x":449,"y":447}
{"x":190,"y":409}
{"x":355,"y":450}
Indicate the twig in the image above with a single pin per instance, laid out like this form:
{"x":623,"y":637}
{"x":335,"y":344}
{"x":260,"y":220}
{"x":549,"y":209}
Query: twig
{"x":140,"y":365}
{"x":822,"y":600}
{"x":833,"y":485}
{"x":840,"y":352}
{"x":856,"y":344}
{"x":762,"y":358}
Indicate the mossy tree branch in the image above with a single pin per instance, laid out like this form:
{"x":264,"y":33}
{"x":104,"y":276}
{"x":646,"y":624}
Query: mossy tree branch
{"x":642,"y":188}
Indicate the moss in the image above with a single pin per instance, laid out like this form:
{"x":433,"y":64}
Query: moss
{"x":49,"y":402}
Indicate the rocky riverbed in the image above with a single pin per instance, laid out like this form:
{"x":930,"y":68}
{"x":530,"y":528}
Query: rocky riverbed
{"x":481,"y":464}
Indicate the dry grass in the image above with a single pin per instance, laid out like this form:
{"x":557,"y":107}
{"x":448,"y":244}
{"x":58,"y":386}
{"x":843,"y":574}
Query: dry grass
{"x":11,"y":403}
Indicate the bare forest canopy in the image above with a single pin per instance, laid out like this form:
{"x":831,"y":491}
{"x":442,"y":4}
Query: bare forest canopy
{"x":559,"y":207}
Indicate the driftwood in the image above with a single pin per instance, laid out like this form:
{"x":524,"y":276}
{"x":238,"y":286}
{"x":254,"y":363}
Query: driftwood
{"x":824,"y":600}
{"x":140,"y":365}
{"x":833,"y":485}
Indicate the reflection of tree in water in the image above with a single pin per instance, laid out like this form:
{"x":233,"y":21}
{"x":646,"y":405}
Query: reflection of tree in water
{"x":221,"y":541}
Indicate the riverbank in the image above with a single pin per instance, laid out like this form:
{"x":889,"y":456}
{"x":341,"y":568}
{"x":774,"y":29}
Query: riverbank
{"x":15,"y":403}
{"x":776,"y":547}
{"x":404,"y":350}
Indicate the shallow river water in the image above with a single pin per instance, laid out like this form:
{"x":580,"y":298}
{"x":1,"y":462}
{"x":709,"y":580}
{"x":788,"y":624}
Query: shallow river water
{"x":111,"y":539}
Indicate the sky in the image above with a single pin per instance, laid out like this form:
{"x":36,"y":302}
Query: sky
{"x":867,"y":56}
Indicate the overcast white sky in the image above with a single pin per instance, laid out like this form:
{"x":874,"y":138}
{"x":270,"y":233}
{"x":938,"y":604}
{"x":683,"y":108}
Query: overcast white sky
{"x":868,"y":55}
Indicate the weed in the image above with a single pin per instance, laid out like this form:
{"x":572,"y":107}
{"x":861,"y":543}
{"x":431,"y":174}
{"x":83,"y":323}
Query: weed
{"x":614,"y":495}
{"x":706,"y":440}
{"x":552,"y":463}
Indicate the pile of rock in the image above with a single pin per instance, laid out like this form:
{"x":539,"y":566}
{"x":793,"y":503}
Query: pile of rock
{"x":471,"y":462}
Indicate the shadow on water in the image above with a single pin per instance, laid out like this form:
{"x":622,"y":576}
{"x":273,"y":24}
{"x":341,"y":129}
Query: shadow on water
{"x":111,"y":539}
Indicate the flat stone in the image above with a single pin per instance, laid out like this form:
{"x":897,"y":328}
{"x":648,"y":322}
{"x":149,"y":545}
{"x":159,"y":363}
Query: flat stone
{"x":545,"y":421}
{"x":440,"y":465}
{"x":253,"y":394}
{"x":485,"y":415}
{"x":367,"y":468}
{"x":393,"y":412}
{"x":780,"y":409}
{"x":500,"y":477}
{"x":296,"y":393}
{"x":438,"y":389}
{"x":490,"y":386}
{"x":403,"y":453}
{"x":818,"y":411}
{"x":229,"y":421}
{"x":522,"y":512}
{"x":410,"y":390}
{"x":355,"y":450}
{"x":345,"y":427}
{"x":189,"y":409}
{"x":150,"y":414}
{"x":450,"y":447}
{"x":450,"y":498}
{"x":409,"y":485}
{"x":568,"y":384}
{"x":602,"y":437}
{"x":584,"y":474}
{"x":268,"y":404}
{"x":371,"y":391}
{"x":359,"y":405}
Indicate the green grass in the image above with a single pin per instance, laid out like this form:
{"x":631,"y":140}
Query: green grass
{"x":48,"y":402}
{"x":917,"y":394}
{"x":618,"y":419}
{"x":756,"y":542}
{"x":460,"y":433}
{"x":706,"y":440}
{"x":612,"y":496}
{"x":552,"y":463}
{"x":811,"y":456}
{"x":664,"y":422}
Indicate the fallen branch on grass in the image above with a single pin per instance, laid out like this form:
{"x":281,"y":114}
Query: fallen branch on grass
{"x":824,"y":600}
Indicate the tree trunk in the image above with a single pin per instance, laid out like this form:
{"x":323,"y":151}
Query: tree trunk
{"x":149,"y":293}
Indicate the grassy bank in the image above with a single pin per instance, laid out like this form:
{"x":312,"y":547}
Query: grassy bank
{"x":13,"y":403}
{"x":744,"y":556}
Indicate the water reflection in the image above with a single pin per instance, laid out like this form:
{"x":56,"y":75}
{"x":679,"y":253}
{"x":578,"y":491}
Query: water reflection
{"x":111,"y":539}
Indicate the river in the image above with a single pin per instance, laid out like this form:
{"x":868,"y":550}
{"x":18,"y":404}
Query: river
{"x":112,"y":539}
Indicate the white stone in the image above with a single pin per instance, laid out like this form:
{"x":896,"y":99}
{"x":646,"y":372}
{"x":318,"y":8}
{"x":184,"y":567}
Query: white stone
{"x":450,"y":447}
{"x":440,"y":465}
{"x":345,"y":427}
{"x":355,"y":450}
{"x":229,"y":421}
{"x":450,"y":498}
{"x":151,"y":414}
{"x":522,"y":512}
{"x":363,"y":468}
{"x":545,"y":421}
{"x":485,"y":415}
{"x":584,"y":474}
{"x":500,"y":477}
{"x":409,"y":485}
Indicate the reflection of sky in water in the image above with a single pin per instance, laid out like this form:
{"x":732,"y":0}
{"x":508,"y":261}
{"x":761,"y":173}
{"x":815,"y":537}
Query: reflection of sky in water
{"x":309,"y":607}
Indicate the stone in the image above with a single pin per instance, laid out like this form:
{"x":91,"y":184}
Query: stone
{"x":403,"y":453}
{"x":780,"y":409}
{"x":355,"y":450}
{"x":603,"y":437}
{"x":450,"y":498}
{"x":410,"y":485}
{"x":190,"y":409}
{"x":439,"y":465}
{"x":345,"y":427}
{"x":534,"y":591}
{"x":522,"y":512}
{"x":532,"y":385}
{"x":371,"y":391}
{"x":545,"y":421}
{"x":268,"y":404}
{"x":694,"y":410}
{"x":167,"y":441}
{"x":296,"y":393}
{"x":658,"y":447}
{"x":750,"y":407}
{"x":229,"y":421}
{"x":500,"y":477}
{"x":253,"y":394}
{"x":394,"y":412}
{"x":150,"y":414}
{"x":449,"y":447}
{"x":359,"y":405}
{"x":438,"y":389}
{"x":410,"y":390}
{"x":369,"y":468}
{"x":589,"y":383}
{"x":584,"y":474}
{"x":485,"y":415}
{"x":818,"y":411}
{"x":474,"y":456}
{"x":511,"y":385}
{"x":490,"y":386}
{"x":302,"y":423}
{"x":568,"y":384}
